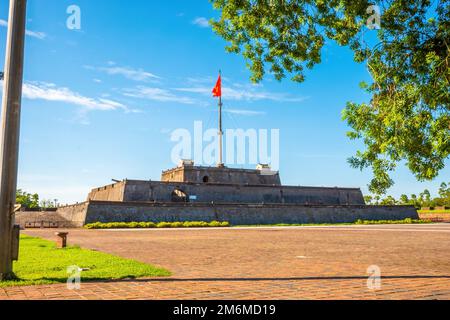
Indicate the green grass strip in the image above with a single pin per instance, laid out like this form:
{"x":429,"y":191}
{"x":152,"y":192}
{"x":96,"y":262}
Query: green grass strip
{"x":40,"y":262}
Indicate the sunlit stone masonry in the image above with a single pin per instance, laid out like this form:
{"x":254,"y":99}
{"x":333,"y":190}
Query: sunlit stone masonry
{"x":196,"y":193}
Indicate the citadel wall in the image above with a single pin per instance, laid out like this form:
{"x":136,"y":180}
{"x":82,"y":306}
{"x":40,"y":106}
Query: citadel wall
{"x":143,"y":191}
{"x":237,"y":214}
{"x":113,"y":192}
{"x":73,"y":216}
{"x":243,"y":214}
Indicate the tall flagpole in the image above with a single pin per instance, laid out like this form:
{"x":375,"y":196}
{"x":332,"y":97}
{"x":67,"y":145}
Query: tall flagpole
{"x":9,"y":141}
{"x":220,"y":164}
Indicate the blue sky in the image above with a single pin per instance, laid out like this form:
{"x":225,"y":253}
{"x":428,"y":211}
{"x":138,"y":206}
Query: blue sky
{"x":101,"y":102}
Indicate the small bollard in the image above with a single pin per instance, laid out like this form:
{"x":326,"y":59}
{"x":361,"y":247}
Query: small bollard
{"x":62,"y":239}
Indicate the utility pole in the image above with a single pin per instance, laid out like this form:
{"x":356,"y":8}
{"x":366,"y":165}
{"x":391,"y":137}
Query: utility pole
{"x":10,"y":130}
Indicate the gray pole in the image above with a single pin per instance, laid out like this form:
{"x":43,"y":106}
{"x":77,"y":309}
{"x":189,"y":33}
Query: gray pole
{"x":9,"y":136}
{"x":220,"y":164}
{"x":220,"y":134}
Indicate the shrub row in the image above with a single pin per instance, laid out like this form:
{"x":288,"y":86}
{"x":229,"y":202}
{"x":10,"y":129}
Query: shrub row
{"x":406,"y":221}
{"x":151,"y":225}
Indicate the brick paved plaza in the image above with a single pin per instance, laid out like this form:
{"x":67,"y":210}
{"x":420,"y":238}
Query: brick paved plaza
{"x":267,"y":263}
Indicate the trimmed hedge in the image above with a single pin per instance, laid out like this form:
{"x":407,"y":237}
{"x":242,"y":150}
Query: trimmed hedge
{"x":218,"y":224}
{"x":434,"y":211}
{"x":153,"y":225}
{"x":406,"y":221}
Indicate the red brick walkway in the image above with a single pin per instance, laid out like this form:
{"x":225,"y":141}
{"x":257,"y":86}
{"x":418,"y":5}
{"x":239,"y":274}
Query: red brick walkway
{"x":269,"y":263}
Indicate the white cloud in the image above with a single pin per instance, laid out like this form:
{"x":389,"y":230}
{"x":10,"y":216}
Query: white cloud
{"x":127,"y":72}
{"x":202,"y":80}
{"x":34,"y":34}
{"x":243,"y":112}
{"x":201,"y":22}
{"x":248,"y":93}
{"x":156,"y":94}
{"x":50,"y":92}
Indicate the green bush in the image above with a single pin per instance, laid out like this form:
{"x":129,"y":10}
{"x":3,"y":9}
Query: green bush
{"x":164,"y":225}
{"x":176,"y":225}
{"x":134,"y":225}
{"x":161,"y":225}
{"x":218,"y":224}
{"x":215,"y":224}
{"x":406,"y":221}
{"x":151,"y":225}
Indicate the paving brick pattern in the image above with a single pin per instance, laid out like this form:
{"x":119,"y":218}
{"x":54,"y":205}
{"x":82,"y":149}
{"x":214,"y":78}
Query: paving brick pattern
{"x":269,"y":263}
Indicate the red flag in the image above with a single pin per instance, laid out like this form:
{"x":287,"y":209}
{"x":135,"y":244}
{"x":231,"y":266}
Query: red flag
{"x":217,"y":91}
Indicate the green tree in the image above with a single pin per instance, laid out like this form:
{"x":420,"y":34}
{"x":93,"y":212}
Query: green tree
{"x":47,"y":204}
{"x":27,"y":200}
{"x":404,"y":199}
{"x":444,"y":190}
{"x":408,"y":116}
{"x":415,"y":201}
{"x":444,"y":195}
{"x":389,"y":201}
{"x":368,"y":200}
{"x":425,"y":198}
{"x":377,"y":200}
